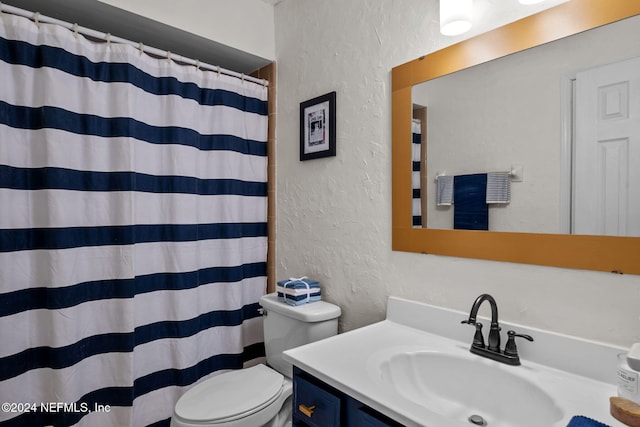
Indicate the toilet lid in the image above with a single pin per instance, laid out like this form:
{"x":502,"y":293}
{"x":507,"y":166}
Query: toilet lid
{"x":231,"y":394}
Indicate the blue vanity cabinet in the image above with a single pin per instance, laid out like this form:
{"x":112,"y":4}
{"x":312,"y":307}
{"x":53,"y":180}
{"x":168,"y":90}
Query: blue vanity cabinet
{"x":317,"y":404}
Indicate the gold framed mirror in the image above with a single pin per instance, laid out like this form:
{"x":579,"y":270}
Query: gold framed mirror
{"x":589,"y":252}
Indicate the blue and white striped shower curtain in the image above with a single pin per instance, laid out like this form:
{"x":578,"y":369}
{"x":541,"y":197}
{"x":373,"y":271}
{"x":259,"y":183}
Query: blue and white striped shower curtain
{"x":133,"y":231}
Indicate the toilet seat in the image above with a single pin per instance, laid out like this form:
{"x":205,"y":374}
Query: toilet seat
{"x":231,"y":396}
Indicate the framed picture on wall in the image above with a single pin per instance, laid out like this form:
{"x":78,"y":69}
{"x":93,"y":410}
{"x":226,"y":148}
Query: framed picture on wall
{"x":318,"y":127}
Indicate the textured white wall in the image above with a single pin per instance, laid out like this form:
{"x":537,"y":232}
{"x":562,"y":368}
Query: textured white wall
{"x":334,"y":214}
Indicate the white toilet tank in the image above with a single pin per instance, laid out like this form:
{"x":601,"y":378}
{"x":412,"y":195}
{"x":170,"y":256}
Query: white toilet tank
{"x":286,"y":327}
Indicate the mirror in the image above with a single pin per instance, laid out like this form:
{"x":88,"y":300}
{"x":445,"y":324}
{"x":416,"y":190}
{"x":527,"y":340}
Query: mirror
{"x":515,"y":115}
{"x":539,"y":246}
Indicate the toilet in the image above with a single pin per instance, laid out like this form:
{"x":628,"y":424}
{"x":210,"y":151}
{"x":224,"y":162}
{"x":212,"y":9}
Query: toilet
{"x":259,"y":395}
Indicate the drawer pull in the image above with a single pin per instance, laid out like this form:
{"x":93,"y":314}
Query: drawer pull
{"x":307,"y":410}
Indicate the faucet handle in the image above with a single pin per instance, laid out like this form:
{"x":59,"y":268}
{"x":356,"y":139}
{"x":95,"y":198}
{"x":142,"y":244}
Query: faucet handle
{"x":478,"y":339}
{"x":510,"y":348}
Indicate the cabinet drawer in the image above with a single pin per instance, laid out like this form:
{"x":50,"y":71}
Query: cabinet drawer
{"x":363,"y":418}
{"x":323,"y":406}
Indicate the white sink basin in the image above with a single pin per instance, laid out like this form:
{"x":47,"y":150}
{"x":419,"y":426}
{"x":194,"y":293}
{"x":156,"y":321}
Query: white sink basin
{"x":459,"y":387}
{"x":416,"y":368}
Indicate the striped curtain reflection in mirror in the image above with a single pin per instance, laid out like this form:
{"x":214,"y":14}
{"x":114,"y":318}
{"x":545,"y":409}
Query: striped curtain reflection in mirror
{"x":416,"y":174}
{"x":133,"y":236}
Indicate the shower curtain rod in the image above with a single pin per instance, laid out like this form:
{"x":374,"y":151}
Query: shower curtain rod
{"x":37,"y":18}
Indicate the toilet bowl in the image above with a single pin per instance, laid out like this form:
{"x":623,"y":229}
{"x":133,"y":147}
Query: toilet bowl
{"x":259,"y":395}
{"x":256,"y":396}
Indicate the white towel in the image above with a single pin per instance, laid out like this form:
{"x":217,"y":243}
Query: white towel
{"x":444,"y":194}
{"x":498,"y":187}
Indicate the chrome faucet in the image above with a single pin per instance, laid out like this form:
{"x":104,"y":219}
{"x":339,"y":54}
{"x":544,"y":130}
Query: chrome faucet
{"x":492,"y":349}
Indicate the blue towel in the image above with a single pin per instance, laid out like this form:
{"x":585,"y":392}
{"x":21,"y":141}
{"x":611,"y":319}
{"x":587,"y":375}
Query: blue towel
{"x":580,"y":421}
{"x":299,"y":283}
{"x":471,"y":211}
{"x":300,"y":300}
{"x":298,"y":291}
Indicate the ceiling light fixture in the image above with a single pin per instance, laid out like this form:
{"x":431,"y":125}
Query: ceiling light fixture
{"x":455,"y":16}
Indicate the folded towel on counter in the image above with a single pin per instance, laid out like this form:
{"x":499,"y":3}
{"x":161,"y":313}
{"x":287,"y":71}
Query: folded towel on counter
{"x":498,"y":187}
{"x":581,"y":421}
{"x":298,"y":291}
{"x":470,"y":195}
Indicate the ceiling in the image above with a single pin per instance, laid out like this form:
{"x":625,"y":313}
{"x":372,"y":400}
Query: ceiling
{"x":109,"y":19}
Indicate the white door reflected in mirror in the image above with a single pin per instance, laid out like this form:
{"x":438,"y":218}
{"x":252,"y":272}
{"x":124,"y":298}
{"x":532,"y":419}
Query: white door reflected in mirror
{"x":606,"y":198}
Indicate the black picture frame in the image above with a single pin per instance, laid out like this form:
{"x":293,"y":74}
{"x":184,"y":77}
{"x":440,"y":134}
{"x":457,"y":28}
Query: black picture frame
{"x":318,"y":127}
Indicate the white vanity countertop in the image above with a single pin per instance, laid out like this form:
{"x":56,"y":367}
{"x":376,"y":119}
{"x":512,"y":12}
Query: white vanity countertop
{"x":350,"y":362}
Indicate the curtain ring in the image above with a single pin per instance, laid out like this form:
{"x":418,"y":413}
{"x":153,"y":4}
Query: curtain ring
{"x":169,"y":56}
{"x":197,"y":64}
{"x":141,"y":48}
{"x":75,"y":30}
{"x":36,"y":19}
{"x":218,"y":71}
{"x":108,"y":39}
